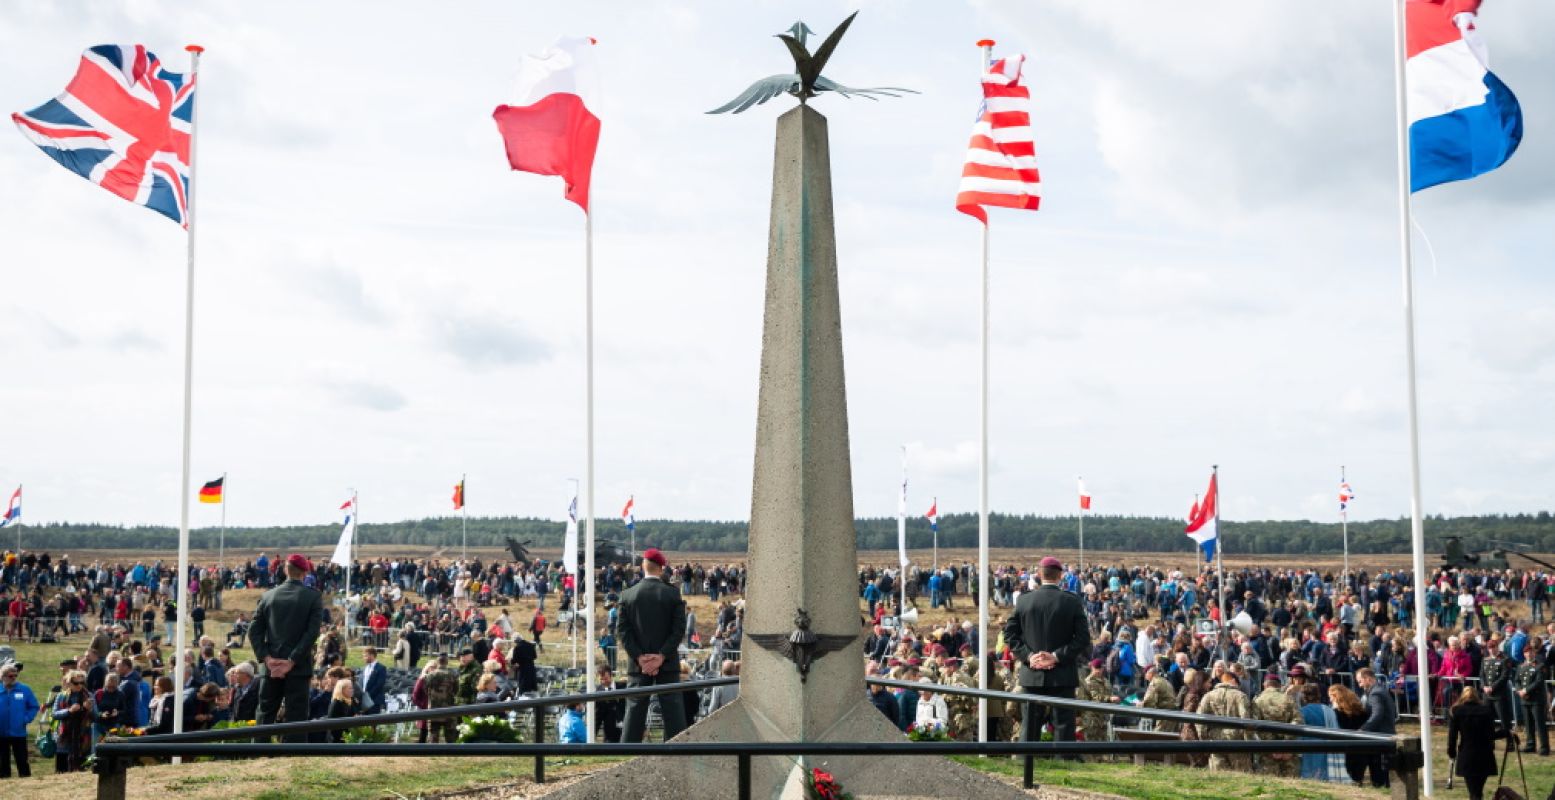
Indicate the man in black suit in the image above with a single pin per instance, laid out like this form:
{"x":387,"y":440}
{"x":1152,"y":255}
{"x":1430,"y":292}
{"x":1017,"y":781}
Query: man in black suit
{"x":1049,"y":635}
{"x":653,"y":623}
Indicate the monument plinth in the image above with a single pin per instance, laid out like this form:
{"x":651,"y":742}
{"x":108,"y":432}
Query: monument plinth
{"x":803,"y":552}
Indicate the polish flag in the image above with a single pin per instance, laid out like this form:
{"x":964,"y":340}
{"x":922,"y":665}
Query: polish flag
{"x":1085,"y":497}
{"x":549,"y":129}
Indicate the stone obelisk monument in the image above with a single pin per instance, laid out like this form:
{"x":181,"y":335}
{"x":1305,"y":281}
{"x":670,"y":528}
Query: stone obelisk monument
{"x":803,"y":552}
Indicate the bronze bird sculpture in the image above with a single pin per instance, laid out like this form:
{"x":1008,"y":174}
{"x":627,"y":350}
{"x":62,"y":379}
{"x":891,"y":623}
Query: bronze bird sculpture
{"x":802,"y":646}
{"x":806,"y":81}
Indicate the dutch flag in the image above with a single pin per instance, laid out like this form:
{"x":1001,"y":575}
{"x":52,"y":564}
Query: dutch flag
{"x":626,"y":514}
{"x":13,"y":512}
{"x":1463,"y":121}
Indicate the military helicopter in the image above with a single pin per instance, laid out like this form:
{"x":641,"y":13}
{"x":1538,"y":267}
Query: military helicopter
{"x":1456,"y":556}
{"x":606,"y":552}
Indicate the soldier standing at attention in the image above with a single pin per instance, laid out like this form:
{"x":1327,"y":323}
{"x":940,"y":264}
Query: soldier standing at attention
{"x":1273,"y":705}
{"x":285,"y":625}
{"x":1529,"y":683}
{"x":1049,"y":634}
{"x":1496,"y":676}
{"x":653,"y":623}
{"x":1225,"y":700}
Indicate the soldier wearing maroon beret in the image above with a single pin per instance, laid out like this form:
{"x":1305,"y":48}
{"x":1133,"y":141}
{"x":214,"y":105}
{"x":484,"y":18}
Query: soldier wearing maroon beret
{"x":286,"y":624}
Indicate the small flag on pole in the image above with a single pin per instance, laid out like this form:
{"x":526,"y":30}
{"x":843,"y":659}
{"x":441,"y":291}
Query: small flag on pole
{"x":933,"y":515}
{"x":901,"y":516}
{"x":1201,"y":525}
{"x":123,"y":123}
{"x":1463,"y":121}
{"x":1001,"y":159}
{"x":1345,"y":496}
{"x":459,"y":495}
{"x":626,"y":514}
{"x":1085,"y":497}
{"x":13,"y":511}
{"x":550,"y":129}
{"x":342,"y":554}
{"x":211,"y":492}
{"x":570,"y":538}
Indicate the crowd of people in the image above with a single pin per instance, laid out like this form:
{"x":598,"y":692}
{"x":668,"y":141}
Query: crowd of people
{"x":1295,"y":645}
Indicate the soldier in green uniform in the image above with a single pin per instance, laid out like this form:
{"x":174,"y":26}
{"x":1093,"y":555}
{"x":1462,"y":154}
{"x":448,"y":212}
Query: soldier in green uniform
{"x":1496,"y":673}
{"x":1273,"y":705}
{"x":963,"y":708}
{"x":1094,"y":687}
{"x":1225,"y":700}
{"x":469,"y":675}
{"x":1012,"y":708}
{"x":1528,"y":682}
{"x":998,"y":712}
{"x":1158,"y":692}
{"x":285,"y":625}
{"x":442,"y":687}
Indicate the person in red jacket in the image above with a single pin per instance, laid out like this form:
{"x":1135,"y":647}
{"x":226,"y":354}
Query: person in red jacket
{"x":537,"y":627}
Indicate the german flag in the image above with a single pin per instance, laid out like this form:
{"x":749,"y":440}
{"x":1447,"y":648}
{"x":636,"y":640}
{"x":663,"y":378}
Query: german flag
{"x":211,"y":492}
{"x":459,"y":495}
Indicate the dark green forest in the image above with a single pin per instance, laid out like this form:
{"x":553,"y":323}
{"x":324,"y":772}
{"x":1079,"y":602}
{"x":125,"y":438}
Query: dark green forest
{"x":956,"y":530}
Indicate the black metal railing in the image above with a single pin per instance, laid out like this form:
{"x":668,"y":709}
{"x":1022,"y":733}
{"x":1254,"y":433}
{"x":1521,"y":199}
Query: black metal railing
{"x":114,"y":754}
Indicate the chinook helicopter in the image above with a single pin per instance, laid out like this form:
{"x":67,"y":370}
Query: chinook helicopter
{"x":1456,"y":556}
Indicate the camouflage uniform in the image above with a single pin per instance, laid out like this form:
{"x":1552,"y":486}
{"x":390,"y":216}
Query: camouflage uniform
{"x":1160,"y":695}
{"x":1013,"y":709}
{"x":1094,"y":687}
{"x":1225,"y":700}
{"x":442,"y":685}
{"x":1274,"y":705}
{"x":963,"y":709}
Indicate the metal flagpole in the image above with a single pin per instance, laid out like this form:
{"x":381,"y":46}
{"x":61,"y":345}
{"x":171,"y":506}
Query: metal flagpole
{"x":901,"y":538}
{"x":1344,"y":528}
{"x":18,"y":532}
{"x":982,"y":476}
{"x":356,"y":530}
{"x":1220,"y":564}
{"x":1417,"y":524}
{"x":936,"y":535}
{"x":221,"y":546}
{"x":1082,"y":532}
{"x":180,"y":643}
{"x":464,"y":523}
{"x":587,"y":590}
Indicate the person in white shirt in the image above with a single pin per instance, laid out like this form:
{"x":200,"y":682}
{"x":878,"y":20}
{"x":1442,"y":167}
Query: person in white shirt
{"x":932,"y":707}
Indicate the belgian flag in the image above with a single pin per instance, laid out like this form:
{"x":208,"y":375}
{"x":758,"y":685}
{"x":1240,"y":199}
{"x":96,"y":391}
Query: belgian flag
{"x":211,"y":492}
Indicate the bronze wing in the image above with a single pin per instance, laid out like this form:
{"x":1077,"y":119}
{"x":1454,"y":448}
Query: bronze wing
{"x":830,"y":643}
{"x":776,"y":642}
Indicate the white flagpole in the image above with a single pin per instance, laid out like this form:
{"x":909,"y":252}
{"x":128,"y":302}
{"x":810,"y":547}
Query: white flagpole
{"x":982,"y":477}
{"x":464,"y":524}
{"x":18,"y":529}
{"x":901,"y":539}
{"x":935,"y":504}
{"x":356,"y":530}
{"x":587,"y":590}
{"x":1344,"y":528}
{"x":221,"y":546}
{"x":180,"y":644}
{"x":1220,"y":564}
{"x":1417,"y":524}
{"x":1082,"y":528}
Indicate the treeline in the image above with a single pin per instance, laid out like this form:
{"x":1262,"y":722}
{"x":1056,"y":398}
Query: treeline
{"x":1155,"y":534}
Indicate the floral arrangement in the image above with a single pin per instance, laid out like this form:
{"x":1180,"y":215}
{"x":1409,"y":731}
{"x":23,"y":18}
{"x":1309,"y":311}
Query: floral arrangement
{"x":821,"y":785}
{"x":367,"y":735}
{"x":228,"y":723}
{"x":126,"y":732}
{"x":931,"y":731}
{"x":487,"y":729}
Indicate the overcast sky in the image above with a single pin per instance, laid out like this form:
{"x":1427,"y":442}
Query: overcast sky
{"x":383,"y":305}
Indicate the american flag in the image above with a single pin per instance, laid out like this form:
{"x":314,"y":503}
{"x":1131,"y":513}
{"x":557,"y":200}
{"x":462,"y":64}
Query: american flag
{"x":123,"y":123}
{"x":1001,"y":160}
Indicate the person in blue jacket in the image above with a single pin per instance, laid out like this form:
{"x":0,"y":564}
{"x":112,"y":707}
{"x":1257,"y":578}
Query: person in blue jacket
{"x":571,"y":727}
{"x":18,"y":707}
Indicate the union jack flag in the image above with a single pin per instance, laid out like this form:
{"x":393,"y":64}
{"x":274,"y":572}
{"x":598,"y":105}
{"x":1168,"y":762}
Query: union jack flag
{"x":123,"y":123}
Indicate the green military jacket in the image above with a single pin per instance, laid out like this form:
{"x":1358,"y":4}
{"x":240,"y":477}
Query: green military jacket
{"x":286,"y":624}
{"x":652,"y":620}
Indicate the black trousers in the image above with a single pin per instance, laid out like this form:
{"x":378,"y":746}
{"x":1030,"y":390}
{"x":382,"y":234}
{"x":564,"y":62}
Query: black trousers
{"x":14,"y":747}
{"x":671,"y":707}
{"x":1476,"y":786}
{"x":1036,"y":715}
{"x":1535,"y":720}
{"x":1502,"y":703}
{"x":293,"y":691}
